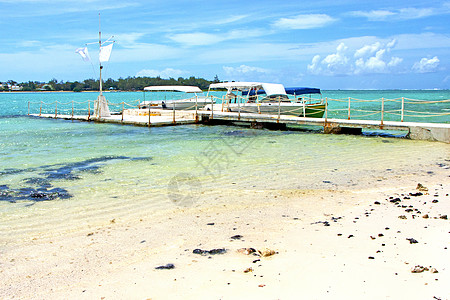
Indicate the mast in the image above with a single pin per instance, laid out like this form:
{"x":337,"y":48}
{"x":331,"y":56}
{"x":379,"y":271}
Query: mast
{"x":100,"y":47}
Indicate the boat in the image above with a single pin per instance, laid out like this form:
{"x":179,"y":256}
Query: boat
{"x":269,"y":98}
{"x":190,"y":98}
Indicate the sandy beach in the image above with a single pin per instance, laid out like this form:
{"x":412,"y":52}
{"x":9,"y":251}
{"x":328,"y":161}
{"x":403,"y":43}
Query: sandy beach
{"x":358,"y":242}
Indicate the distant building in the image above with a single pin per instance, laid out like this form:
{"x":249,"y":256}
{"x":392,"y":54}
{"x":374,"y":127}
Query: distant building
{"x":14,"y":87}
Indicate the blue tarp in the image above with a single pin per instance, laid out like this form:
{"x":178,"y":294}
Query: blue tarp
{"x":301,"y":90}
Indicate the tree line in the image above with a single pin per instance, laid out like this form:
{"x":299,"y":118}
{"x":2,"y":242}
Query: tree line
{"x":121,"y":84}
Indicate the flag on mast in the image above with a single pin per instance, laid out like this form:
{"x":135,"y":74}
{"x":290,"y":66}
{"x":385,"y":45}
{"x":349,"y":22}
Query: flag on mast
{"x":105,"y":53}
{"x":83,"y":53}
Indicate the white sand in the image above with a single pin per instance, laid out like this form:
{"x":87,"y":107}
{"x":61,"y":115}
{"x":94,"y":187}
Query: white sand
{"x":117,"y":260}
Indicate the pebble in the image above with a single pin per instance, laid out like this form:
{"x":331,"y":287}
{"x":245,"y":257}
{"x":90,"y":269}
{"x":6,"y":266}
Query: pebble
{"x":166,"y":267}
{"x":412,"y":241}
{"x":209,"y":252}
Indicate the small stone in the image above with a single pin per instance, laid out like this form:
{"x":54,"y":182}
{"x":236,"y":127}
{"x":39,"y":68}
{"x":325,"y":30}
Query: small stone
{"x":426,"y":216}
{"x":443,"y":217}
{"x":435,"y":201}
{"x":210,"y":224}
{"x":236,"y":237}
{"x":371,"y":257}
{"x":418,"y":269}
{"x":433,"y":270}
{"x":248,"y":270}
{"x":267,"y":252}
{"x":403,"y":217}
{"x":166,"y":267}
{"x":350,"y":236}
{"x":422,"y":188}
{"x":247,"y":251}
{"x":377,"y":203}
{"x":412,"y":241}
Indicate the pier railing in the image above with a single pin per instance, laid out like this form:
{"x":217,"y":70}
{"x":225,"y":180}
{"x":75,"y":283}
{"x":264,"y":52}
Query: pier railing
{"x":383,"y":109}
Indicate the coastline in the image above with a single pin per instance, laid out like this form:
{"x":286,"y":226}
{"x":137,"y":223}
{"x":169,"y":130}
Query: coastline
{"x":339,"y":243}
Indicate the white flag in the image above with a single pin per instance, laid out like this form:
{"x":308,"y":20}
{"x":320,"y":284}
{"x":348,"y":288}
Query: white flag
{"x":105,"y":53}
{"x":83,"y":53}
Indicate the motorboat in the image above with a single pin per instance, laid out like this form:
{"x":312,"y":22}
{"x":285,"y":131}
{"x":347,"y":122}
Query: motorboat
{"x":268,"y":98}
{"x":176,"y":97}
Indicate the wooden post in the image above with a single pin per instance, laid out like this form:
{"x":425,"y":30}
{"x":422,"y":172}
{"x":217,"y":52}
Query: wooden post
{"x":403,"y":108}
{"x":348,"y":108}
{"x":382,"y":111}
{"x":123,"y":108}
{"x":56,"y":109}
{"x":212,"y":108}
{"x":149,"y":113}
{"x":173,"y":112}
{"x":239,"y":108}
{"x":28,"y":107}
{"x":72,"y":109}
{"x":196,"y":107}
{"x":40,"y":109}
{"x":279,"y":109}
{"x":89,"y":110}
{"x":304,"y":108}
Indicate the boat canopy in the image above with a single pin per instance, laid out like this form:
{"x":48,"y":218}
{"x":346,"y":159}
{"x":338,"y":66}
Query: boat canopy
{"x":173,"y":88}
{"x":302,"y":90}
{"x":250,"y":88}
{"x":291,"y":91}
{"x":240,"y":86}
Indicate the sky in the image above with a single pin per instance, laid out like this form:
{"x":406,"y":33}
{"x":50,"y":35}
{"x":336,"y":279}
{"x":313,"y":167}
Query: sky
{"x":402,"y":44}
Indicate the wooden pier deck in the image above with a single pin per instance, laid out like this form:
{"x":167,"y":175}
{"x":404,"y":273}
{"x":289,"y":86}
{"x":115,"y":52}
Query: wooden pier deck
{"x":417,"y":131}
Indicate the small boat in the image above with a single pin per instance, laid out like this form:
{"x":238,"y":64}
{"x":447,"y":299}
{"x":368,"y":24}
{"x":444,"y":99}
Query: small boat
{"x":269,"y":98}
{"x":189,"y":98}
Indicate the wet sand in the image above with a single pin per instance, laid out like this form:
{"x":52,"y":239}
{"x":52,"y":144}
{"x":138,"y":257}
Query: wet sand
{"x":358,"y":242}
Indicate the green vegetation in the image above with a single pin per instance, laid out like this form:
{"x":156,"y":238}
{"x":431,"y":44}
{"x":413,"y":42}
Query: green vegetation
{"x":127,"y":84}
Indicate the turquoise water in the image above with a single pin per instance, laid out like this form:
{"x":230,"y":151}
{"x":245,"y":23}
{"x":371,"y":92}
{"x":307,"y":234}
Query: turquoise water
{"x":63,"y":175}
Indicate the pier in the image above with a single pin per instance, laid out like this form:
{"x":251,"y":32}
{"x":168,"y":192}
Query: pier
{"x":342,"y":120}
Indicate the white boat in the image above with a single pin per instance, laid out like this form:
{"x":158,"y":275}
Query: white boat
{"x":190,"y":98}
{"x":268,"y":98}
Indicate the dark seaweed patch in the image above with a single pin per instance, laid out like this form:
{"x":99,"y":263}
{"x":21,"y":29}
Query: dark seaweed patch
{"x":42,"y":188}
{"x":32,"y":194}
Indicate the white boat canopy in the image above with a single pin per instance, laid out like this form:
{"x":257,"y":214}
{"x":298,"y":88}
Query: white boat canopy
{"x":235,"y":85}
{"x":173,"y":88}
{"x":269,"y":88}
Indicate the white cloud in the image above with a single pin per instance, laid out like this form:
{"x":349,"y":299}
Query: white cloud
{"x":374,"y":15}
{"x":166,"y":73}
{"x":426,"y":65}
{"x":395,"y":61}
{"x":368,"y":59}
{"x":196,"y":38}
{"x":128,"y":39}
{"x":333,"y":64}
{"x":408,"y":13}
{"x":304,"y":21}
{"x":243,"y":69}
{"x":203,"y":39}
{"x":415,"y":13}
{"x":367,"y":50}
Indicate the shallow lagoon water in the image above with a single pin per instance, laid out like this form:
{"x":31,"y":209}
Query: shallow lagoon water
{"x":63,"y":175}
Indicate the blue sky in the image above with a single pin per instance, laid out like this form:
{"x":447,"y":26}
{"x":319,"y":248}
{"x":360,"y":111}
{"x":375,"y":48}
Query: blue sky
{"x":343,"y":44}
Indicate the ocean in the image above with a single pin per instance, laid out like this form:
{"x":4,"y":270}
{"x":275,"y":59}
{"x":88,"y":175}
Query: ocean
{"x":63,"y":176}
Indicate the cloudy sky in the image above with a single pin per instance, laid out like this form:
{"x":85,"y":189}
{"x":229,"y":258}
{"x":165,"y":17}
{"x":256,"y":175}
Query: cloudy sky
{"x":345,"y":44}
